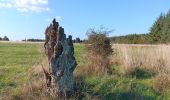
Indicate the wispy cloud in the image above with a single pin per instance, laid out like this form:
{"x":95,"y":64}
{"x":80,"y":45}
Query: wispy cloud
{"x":26,"y":5}
{"x":58,"y":18}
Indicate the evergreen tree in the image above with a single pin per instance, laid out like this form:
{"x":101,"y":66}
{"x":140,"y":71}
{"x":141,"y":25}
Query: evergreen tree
{"x":160,"y":31}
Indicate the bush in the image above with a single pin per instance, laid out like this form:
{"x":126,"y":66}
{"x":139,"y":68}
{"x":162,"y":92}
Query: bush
{"x":98,"y":51}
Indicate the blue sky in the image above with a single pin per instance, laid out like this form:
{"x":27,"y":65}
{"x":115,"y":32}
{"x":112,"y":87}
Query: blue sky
{"x":20,"y":19}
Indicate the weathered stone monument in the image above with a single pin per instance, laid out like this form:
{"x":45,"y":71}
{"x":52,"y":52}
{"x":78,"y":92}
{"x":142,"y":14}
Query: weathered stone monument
{"x":60,"y":53}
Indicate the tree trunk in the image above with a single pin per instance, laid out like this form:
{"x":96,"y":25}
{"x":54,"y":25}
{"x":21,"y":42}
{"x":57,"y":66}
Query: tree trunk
{"x":60,"y":53}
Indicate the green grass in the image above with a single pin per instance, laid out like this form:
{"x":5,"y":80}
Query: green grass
{"x":15,"y":61}
{"x":79,"y":53}
{"x":120,"y":88}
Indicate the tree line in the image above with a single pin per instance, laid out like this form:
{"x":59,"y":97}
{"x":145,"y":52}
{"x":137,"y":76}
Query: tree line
{"x":5,"y":38}
{"x":131,"y":39}
{"x":76,"y":40}
{"x":159,"y":33}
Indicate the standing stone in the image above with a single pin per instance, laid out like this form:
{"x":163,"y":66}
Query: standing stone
{"x":60,"y":53}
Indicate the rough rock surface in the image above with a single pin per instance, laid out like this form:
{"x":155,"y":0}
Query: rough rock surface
{"x":60,"y":53}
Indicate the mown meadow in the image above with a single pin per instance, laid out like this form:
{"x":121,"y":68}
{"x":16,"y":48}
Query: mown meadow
{"x":138,"y":73}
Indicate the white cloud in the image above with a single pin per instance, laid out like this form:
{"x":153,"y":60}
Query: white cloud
{"x":26,"y":5}
{"x":5,"y":5}
{"x":31,"y":5}
{"x":58,"y":18}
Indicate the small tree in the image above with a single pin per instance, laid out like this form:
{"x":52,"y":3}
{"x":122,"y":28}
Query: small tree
{"x":99,"y":49}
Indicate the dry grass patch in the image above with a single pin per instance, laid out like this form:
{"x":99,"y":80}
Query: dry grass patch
{"x":155,"y":58}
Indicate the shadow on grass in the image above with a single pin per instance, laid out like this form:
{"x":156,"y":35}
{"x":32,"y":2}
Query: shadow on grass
{"x":111,"y":89}
{"x":140,"y":73}
{"x":8,"y":84}
{"x":79,"y":87}
{"x":126,"y":96}
{"x":123,"y":90}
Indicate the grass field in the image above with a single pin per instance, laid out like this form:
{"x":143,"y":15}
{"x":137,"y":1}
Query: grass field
{"x":15,"y":62}
{"x":18,"y":59}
